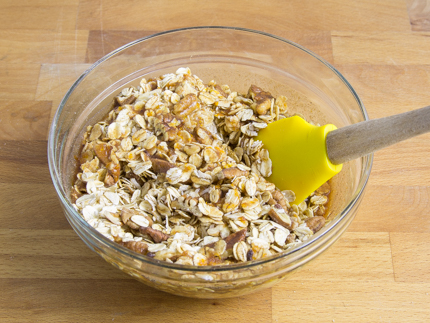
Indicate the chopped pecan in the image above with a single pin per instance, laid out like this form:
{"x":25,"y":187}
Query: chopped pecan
{"x":123,"y":100}
{"x":130,"y":174}
{"x":234,"y":238}
{"x":231,"y":240}
{"x":126,"y":215}
{"x":137,"y":246}
{"x":290,"y":238}
{"x":315,"y":223}
{"x":203,"y":136}
{"x":114,"y":170}
{"x":109,"y":180}
{"x":103,"y":151}
{"x":263,"y":106}
{"x":156,"y":235}
{"x":278,"y":214}
{"x":160,"y":165}
{"x":262,"y":98}
{"x":187,"y":105}
{"x":272,"y":202}
{"x":232,"y":172}
{"x":280,"y":199}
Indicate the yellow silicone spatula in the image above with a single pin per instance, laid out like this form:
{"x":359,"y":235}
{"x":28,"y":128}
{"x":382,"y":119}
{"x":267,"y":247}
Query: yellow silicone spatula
{"x":305,"y":156}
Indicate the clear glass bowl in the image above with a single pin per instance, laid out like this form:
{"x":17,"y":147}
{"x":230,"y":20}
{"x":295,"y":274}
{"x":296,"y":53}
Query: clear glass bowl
{"x":239,"y":58}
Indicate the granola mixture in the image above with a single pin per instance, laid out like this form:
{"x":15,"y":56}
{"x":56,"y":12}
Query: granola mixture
{"x":174,"y":173}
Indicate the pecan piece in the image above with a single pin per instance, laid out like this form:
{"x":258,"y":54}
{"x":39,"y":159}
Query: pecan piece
{"x":315,"y":223}
{"x":291,"y":238}
{"x":278,"y":214}
{"x":126,"y":215}
{"x":262,"y":98}
{"x":234,"y":238}
{"x":156,"y":235}
{"x":137,"y":246}
{"x":231,"y":240}
{"x":109,"y":181}
{"x":187,"y":105}
{"x":123,"y":100}
{"x":231,"y":172}
{"x":114,"y":170}
{"x":103,"y":151}
{"x":160,"y":165}
{"x":280,"y":199}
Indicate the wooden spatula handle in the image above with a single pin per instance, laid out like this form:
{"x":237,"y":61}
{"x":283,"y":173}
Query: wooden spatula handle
{"x":351,"y":142}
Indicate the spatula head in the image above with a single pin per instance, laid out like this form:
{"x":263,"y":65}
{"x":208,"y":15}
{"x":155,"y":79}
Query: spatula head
{"x":299,"y":155}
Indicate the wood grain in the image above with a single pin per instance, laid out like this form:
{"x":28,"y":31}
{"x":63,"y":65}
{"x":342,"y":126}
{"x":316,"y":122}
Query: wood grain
{"x":54,"y":82}
{"x":405,"y":248}
{"x":18,"y":81}
{"x":42,"y":209}
{"x":24,"y":120}
{"x":364,"y":301}
{"x":393,"y":208}
{"x":35,"y":46}
{"x":38,"y":14}
{"x":386,"y":89}
{"x":119,"y":300}
{"x":344,"y":261}
{"x":405,"y":163}
{"x":381,"y":48}
{"x":23,"y":162}
{"x":380,"y":15}
{"x":378,"y":271}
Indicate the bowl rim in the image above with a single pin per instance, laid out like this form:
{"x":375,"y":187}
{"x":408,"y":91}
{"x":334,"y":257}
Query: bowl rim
{"x":55,"y":174}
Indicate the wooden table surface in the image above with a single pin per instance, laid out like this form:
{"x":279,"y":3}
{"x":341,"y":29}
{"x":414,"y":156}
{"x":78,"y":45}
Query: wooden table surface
{"x":379,"y":271}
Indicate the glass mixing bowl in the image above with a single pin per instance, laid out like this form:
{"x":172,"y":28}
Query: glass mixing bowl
{"x":239,"y":58}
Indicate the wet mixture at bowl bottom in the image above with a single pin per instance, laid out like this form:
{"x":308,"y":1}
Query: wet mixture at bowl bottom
{"x":173,"y":172}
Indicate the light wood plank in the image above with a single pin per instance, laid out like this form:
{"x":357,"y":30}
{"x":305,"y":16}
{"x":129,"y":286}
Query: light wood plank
{"x":405,"y":163}
{"x":368,"y":15}
{"x":31,"y":206}
{"x":74,"y":300}
{"x":411,"y":256}
{"x":23,"y":162}
{"x":43,"y":46}
{"x":62,"y":243}
{"x":25,"y":14}
{"x":102,"y":42}
{"x":389,"y":89}
{"x":24,"y":120}
{"x":387,"y":48}
{"x":51,"y":254}
{"x":393,"y":208}
{"x":18,"y":81}
{"x":55,"y":80}
{"x":357,"y":256}
{"x":38,"y":3}
{"x":360,"y":301}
